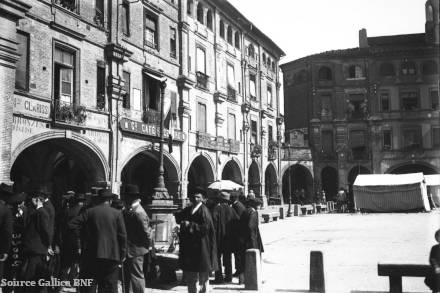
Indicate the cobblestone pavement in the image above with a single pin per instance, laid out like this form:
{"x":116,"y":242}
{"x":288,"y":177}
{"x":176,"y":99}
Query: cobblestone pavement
{"x":352,"y":245}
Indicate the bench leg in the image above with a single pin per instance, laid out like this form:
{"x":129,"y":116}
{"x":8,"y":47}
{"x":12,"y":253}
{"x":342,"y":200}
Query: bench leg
{"x":395,"y":284}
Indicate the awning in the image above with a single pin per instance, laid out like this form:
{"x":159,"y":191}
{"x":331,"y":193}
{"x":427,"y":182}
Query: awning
{"x":432,"y":180}
{"x":388,"y":179}
{"x":156,"y":75}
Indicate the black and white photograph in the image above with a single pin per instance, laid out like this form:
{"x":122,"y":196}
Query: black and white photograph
{"x":219,"y":146}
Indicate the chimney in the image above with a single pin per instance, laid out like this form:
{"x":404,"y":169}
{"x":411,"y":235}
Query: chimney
{"x":363,"y":41}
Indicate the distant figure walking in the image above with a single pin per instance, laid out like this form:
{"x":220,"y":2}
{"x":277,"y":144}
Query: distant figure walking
{"x":433,"y":280}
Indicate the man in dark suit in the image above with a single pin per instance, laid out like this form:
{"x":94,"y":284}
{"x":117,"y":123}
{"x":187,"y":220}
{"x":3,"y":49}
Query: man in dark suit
{"x":139,"y":239}
{"x":36,"y":241}
{"x":252,"y":231}
{"x":198,"y":252}
{"x":237,"y":236}
{"x":105,"y":243}
{"x":5,"y":225}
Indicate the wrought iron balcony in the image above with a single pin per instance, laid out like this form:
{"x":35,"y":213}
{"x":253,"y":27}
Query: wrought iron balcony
{"x":202,"y":80}
{"x":69,"y":112}
{"x":232,"y":94}
{"x":151,"y":116}
{"x":219,"y":143}
{"x":67,"y":4}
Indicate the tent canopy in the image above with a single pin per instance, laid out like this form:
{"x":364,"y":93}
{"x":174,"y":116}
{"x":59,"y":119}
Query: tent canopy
{"x":432,"y":180}
{"x":388,"y":179}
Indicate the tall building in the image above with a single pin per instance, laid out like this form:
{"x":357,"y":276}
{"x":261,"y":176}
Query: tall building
{"x":370,"y":109}
{"x":82,"y":84}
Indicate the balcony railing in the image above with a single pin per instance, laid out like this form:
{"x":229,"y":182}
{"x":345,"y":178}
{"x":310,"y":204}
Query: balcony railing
{"x":219,"y":143}
{"x":232,"y":94}
{"x":202,"y":80}
{"x":151,"y":116}
{"x":67,"y":4}
{"x":69,"y":112}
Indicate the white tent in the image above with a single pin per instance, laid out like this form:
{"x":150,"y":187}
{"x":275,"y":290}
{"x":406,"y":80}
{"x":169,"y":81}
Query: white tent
{"x":433,"y":187}
{"x":390,"y":192}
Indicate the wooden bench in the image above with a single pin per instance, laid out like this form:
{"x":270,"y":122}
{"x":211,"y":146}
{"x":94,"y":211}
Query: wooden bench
{"x":321,"y":207}
{"x":396,"y":271}
{"x":306,"y":209}
{"x":268,"y":216}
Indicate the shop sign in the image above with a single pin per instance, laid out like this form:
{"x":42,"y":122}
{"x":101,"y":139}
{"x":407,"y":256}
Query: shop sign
{"x":149,"y":129}
{"x":97,"y":120}
{"x":31,"y":107}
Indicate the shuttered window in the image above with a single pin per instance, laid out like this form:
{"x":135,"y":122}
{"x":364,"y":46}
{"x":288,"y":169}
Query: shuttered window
{"x":201,"y":117}
{"x":231,"y":126}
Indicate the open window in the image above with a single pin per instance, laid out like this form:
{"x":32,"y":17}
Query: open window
{"x":64,"y":75}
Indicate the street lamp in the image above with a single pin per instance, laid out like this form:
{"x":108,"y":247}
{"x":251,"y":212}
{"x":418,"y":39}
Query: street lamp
{"x":161,"y":192}
{"x":289,"y":211}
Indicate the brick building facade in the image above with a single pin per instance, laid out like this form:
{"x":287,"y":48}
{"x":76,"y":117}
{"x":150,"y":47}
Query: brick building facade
{"x":89,"y":78}
{"x":370,"y":109}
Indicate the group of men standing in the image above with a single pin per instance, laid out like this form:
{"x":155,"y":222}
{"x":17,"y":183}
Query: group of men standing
{"x":210,"y":233}
{"x":91,"y":239}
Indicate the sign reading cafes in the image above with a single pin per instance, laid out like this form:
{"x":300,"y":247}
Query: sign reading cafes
{"x":149,"y":129}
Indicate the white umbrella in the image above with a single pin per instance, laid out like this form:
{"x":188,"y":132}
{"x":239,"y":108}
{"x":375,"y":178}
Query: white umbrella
{"x":224,"y":185}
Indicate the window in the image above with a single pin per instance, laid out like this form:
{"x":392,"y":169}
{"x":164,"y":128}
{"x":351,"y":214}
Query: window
{"x":436,"y":137}
{"x":99,"y":12}
{"x":252,"y":87}
{"x":229,"y":35}
{"x":64,"y":75}
{"x":151,"y":31}
{"x":269,"y":96}
{"x":384,"y":102}
{"x":355,"y":71}
{"x":137,"y":101}
{"x":387,"y":140}
{"x":412,"y":137}
{"x":209,"y":19}
{"x":270,"y":133}
{"x":222,"y":29}
{"x":251,"y":51}
{"x":125,"y":18}
{"x":433,"y":94}
{"x":201,"y":58}
{"x":189,"y":7}
{"x":22,"y":65}
{"x":237,"y":40}
{"x":201,"y":117}
{"x":231,"y":82}
{"x":254,"y":132}
{"x":409,"y":100}
{"x":264,"y":58}
{"x":429,"y":67}
{"x":67,"y":4}
{"x":151,"y":94}
{"x":387,"y":69}
{"x":200,"y":13}
{"x":408,"y":68}
{"x":126,"y":97}
{"x":100,"y":87}
{"x":173,"y":36}
{"x":326,"y":107}
{"x":327,"y":141}
{"x":231,"y":126}
{"x":325,"y":73}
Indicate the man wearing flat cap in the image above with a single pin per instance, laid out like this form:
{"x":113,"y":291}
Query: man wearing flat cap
{"x":105,"y":241}
{"x":5,"y":226}
{"x":223,"y":217}
{"x":138,"y":239}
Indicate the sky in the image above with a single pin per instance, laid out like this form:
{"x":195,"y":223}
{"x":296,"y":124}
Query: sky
{"x":305,"y":27}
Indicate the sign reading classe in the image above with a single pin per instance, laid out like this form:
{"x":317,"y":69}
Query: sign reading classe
{"x":149,"y":129}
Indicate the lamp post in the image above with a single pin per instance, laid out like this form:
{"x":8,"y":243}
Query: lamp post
{"x":161,"y":192}
{"x":289,"y":211}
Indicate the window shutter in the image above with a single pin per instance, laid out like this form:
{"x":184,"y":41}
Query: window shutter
{"x":173,"y":108}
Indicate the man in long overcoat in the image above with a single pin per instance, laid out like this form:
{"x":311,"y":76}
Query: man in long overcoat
{"x":105,"y":243}
{"x":139,"y":239}
{"x":238,"y":239}
{"x":223,"y":217}
{"x":252,"y":231}
{"x":5,"y":226}
{"x":198,"y":252}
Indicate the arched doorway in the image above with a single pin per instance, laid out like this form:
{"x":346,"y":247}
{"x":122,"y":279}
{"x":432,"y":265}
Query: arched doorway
{"x":413,"y":168}
{"x":58,"y":165}
{"x":295,"y":179}
{"x":354,"y":172}
{"x":254,"y":179}
{"x":271,"y":185}
{"x":329,"y":182}
{"x":200,"y":174}
{"x":231,"y":171}
{"x":143,"y":170}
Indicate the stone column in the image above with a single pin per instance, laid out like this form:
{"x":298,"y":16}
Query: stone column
{"x":10,"y":13}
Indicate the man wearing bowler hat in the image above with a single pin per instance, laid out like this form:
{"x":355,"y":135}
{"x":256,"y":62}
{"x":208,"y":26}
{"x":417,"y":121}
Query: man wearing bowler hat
{"x":104,"y":243}
{"x":5,"y":225}
{"x":138,"y":239}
